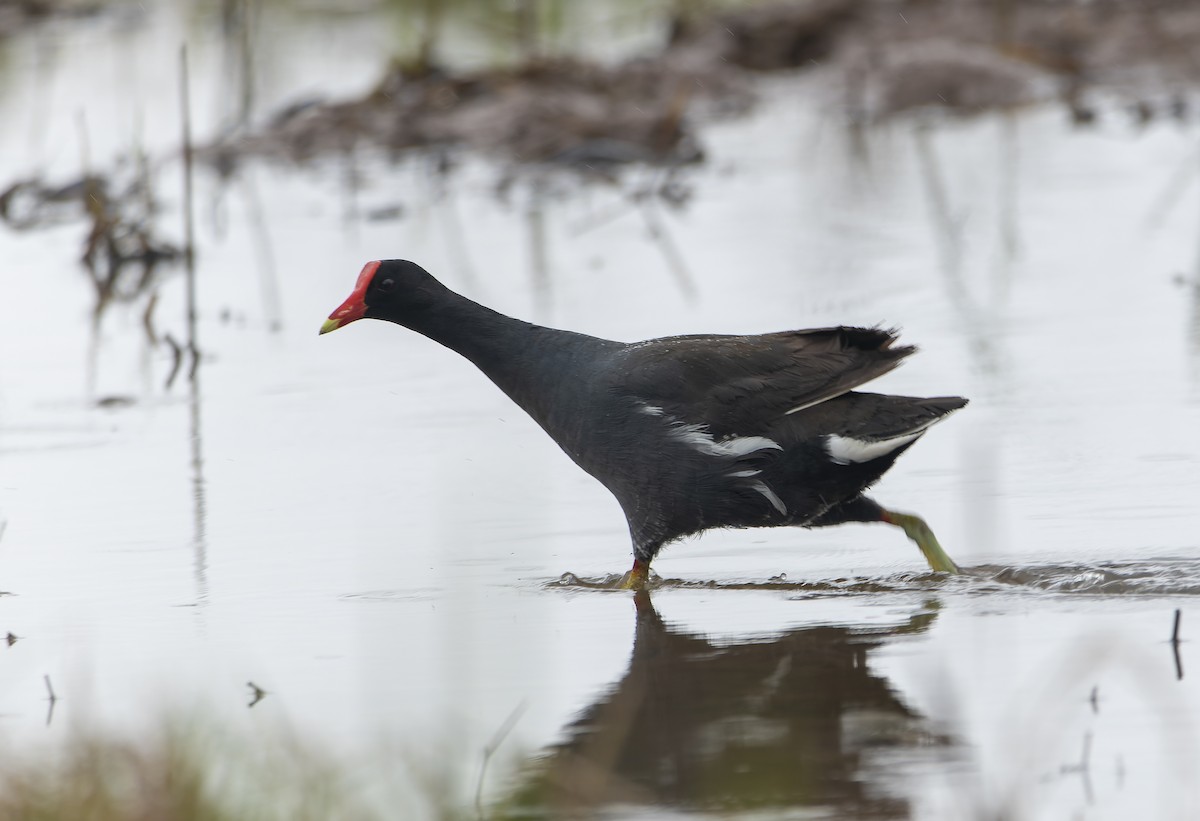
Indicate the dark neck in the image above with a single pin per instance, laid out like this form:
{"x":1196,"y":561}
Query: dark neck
{"x":525,"y":361}
{"x":482,"y":335}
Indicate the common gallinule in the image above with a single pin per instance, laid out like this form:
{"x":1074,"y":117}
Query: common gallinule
{"x":689,"y":432}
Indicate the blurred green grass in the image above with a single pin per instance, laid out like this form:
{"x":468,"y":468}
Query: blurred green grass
{"x":199,"y":770}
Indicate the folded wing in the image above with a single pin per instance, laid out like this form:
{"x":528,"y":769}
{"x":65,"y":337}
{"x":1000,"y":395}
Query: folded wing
{"x":735,"y":384}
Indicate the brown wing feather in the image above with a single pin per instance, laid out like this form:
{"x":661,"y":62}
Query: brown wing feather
{"x":734,"y":384}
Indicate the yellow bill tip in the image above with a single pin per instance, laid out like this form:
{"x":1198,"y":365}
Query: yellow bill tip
{"x":330,"y":325}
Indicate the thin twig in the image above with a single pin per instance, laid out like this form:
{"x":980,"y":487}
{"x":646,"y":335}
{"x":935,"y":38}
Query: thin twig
{"x":1175,"y":645}
{"x":256,"y":693}
{"x":948,"y":225}
{"x":189,"y":241}
{"x":268,"y":278}
{"x":603,"y":218}
{"x":176,"y":359}
{"x":52,"y":698}
{"x":195,"y":354}
{"x":539,"y":267}
{"x":490,"y":749}
{"x":1177,"y":184}
{"x":148,"y":319}
{"x":670,"y":251}
{"x":456,"y":236}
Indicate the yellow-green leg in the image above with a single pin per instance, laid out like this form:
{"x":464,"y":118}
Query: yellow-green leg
{"x":915,"y":528}
{"x":637,"y":577}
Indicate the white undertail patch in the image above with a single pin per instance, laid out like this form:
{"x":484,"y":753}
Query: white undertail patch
{"x":845,"y":449}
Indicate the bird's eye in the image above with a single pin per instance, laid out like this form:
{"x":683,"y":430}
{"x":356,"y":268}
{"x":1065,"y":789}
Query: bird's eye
{"x":386,"y":285}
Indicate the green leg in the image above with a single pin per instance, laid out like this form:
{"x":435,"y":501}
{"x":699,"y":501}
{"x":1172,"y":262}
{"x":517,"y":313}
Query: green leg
{"x":916,"y":529}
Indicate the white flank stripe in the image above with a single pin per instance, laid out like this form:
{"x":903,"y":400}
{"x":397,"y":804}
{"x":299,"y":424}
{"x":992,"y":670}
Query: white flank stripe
{"x":743,"y":445}
{"x":762,"y":488}
{"x":743,"y":474}
{"x":651,"y":410}
{"x":799,"y":408}
{"x":815,"y":402}
{"x":843,"y":449}
{"x":735,"y":447}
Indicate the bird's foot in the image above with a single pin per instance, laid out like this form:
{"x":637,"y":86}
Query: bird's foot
{"x":637,"y":578}
{"x":915,"y":528}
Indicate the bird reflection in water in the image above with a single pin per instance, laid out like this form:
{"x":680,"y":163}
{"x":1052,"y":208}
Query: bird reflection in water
{"x":776,"y":722}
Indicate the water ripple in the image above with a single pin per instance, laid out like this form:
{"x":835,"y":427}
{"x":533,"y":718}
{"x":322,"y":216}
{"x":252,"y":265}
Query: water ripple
{"x":1156,"y":577}
{"x":417,"y":594}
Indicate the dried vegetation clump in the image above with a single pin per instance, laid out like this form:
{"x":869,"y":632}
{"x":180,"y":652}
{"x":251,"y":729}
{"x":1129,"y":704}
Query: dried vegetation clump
{"x":977,"y":55}
{"x":123,"y":251}
{"x":564,"y":110}
{"x":17,"y":16}
{"x":549,"y":111}
{"x":887,"y":57}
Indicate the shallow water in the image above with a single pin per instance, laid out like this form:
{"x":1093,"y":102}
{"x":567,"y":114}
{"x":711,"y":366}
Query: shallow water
{"x":366,"y":528}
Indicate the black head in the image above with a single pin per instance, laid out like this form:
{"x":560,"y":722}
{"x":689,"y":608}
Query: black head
{"x":391,"y":289}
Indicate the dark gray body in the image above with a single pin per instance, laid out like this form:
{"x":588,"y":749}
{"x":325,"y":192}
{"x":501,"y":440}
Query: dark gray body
{"x":693,"y":432}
